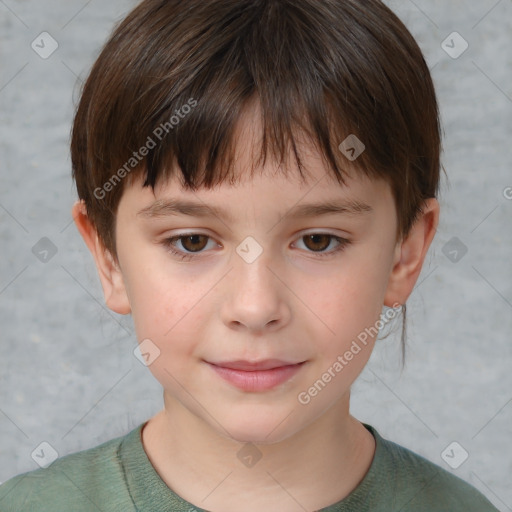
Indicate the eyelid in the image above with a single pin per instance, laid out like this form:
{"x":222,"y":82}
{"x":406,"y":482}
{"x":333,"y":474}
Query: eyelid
{"x":191,"y":233}
{"x":342,"y":242}
{"x":168,"y":242}
{"x":297,"y":235}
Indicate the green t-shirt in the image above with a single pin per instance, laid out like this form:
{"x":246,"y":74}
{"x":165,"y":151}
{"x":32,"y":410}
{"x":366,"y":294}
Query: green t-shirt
{"x":117,"y":476}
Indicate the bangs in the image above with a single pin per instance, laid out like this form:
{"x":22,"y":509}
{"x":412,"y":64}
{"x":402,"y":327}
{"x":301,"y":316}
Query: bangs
{"x":261,"y":53}
{"x":169,"y":88}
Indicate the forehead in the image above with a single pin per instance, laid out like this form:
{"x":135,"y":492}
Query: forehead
{"x":269,"y":185}
{"x":264,"y":198}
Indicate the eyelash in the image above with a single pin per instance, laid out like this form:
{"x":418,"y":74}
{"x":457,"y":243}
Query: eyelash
{"x":168,"y":243}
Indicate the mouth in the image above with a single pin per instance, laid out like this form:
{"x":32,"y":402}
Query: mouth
{"x":253,"y":376}
{"x":250,"y":366}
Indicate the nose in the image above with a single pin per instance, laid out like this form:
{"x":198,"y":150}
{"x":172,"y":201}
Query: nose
{"x":255,"y":297}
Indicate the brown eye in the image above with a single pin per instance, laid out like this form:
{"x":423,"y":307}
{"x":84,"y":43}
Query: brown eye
{"x":317,"y":243}
{"x":193,"y":243}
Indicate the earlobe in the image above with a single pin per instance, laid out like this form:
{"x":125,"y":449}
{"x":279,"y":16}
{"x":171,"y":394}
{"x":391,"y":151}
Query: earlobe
{"x":410,"y":254}
{"x":109,"y":271}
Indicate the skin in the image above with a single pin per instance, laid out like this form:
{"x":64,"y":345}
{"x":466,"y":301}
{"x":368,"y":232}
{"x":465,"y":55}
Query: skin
{"x":291,"y":303}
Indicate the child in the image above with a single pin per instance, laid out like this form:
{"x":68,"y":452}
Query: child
{"x":257,"y":335}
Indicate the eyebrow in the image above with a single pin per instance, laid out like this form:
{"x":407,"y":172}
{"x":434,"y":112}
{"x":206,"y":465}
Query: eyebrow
{"x":170,"y":207}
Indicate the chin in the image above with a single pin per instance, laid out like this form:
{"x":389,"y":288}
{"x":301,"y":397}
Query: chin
{"x":259,"y":428}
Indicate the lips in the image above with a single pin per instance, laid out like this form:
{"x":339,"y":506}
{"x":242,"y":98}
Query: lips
{"x":256,"y":376}
{"x":252,"y":366}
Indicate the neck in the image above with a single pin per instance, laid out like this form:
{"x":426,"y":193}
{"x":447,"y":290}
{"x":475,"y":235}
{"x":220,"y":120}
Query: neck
{"x":215,"y":472}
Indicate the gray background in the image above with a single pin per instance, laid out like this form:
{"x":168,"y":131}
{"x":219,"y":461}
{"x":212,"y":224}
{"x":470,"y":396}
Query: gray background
{"x":68,"y":375}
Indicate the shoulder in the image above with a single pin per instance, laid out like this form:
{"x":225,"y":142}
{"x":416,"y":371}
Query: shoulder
{"x":81,"y":481}
{"x":420,"y":485}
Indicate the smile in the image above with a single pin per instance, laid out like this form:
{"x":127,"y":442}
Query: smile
{"x":255,"y":379}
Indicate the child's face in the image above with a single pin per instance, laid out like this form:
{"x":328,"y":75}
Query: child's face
{"x":260,"y":284}
{"x":291,"y":303}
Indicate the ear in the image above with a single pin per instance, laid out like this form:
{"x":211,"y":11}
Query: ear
{"x":109,"y":271}
{"x":410,"y":254}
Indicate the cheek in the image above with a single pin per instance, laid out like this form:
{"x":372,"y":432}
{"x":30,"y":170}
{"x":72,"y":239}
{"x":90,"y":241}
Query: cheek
{"x":348,"y":307}
{"x":162,"y":292}
{"x":170,"y":318}
{"x":348,"y":299}
{"x":172,"y":313}
{"x":158,"y":299}
{"x":166,"y":314}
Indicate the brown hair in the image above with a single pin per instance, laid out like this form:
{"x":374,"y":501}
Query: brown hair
{"x":174,"y":77}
